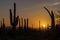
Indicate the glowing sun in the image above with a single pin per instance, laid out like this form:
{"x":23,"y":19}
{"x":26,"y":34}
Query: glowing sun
{"x":44,"y":26}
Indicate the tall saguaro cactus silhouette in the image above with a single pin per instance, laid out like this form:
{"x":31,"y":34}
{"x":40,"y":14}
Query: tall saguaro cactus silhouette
{"x":13,"y":19}
{"x":52,"y":17}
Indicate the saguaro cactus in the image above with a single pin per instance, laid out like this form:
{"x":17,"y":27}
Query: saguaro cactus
{"x":19,"y":24}
{"x":13,"y":19}
{"x":24,"y":24}
{"x":27,"y":23}
{"x":52,"y":17}
{"x":2,"y":25}
{"x":39,"y":24}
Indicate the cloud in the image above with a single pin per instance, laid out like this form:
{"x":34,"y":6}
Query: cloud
{"x":56,"y":3}
{"x":52,"y":4}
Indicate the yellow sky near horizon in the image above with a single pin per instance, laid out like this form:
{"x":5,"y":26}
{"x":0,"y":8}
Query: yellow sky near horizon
{"x":32,"y":9}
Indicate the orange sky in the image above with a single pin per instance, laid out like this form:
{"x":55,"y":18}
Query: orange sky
{"x":32,"y":9}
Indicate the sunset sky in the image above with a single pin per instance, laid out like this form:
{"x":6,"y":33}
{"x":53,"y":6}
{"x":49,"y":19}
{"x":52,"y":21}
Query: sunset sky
{"x":33,"y":9}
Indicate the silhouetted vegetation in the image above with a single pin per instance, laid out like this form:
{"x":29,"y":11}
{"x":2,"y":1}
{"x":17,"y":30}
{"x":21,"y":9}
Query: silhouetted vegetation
{"x":23,"y":32}
{"x":52,"y":18}
{"x":14,"y":19}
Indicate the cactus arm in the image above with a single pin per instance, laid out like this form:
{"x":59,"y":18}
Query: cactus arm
{"x":11,"y":17}
{"x":47,"y":11}
{"x":52,"y":14}
{"x":17,"y":18}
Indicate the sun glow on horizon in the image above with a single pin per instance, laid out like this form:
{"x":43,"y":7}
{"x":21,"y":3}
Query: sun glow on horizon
{"x":44,"y":25}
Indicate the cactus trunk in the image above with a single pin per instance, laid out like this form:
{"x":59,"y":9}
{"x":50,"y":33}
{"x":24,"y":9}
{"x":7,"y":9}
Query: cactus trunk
{"x":52,"y":20}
